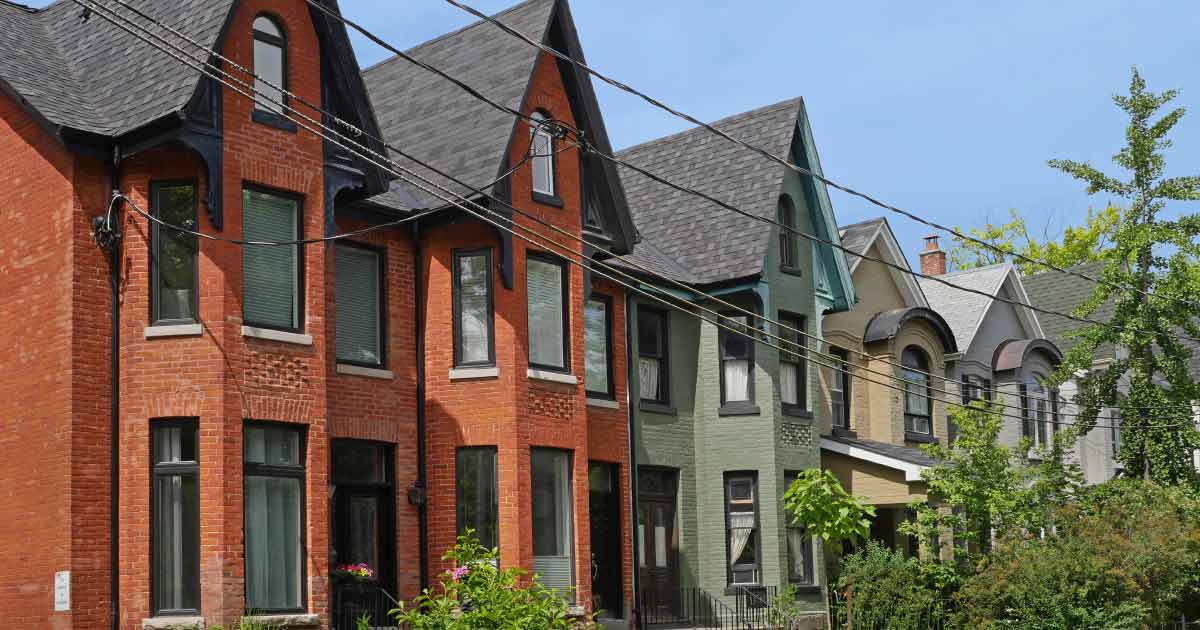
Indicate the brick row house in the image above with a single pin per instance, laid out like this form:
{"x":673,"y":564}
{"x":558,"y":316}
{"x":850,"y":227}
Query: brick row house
{"x":281,"y":410}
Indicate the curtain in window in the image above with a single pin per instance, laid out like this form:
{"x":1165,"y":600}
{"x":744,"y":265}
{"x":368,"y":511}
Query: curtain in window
{"x":800,"y":555}
{"x":737,"y":380}
{"x":595,"y":345}
{"x":788,"y":386}
{"x":357,"y":297}
{"x":474,"y":314}
{"x":552,"y":536}
{"x":545,"y":293}
{"x":741,"y":527}
{"x":271,"y":284}
{"x":273,"y":562}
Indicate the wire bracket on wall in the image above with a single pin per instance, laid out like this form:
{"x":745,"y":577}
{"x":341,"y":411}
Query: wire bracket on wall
{"x":104,"y":231}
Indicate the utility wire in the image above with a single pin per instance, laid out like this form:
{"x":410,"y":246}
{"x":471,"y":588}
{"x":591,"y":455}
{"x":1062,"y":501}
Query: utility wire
{"x":506,"y":219}
{"x":580,"y":64}
{"x":802,"y":354}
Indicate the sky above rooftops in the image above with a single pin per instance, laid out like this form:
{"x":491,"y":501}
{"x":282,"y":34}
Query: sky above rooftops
{"x":950,"y":111}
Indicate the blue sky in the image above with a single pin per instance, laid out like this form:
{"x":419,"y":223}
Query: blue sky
{"x":947,"y":109}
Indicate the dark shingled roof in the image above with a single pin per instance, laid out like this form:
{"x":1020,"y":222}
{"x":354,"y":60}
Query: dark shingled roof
{"x":895,"y":451}
{"x":1055,"y":291}
{"x":89,"y":75}
{"x":711,"y":242}
{"x":857,"y":237}
{"x":432,"y":119}
{"x":886,"y":325}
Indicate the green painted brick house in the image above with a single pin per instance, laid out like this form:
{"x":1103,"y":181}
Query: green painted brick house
{"x":723,"y":423}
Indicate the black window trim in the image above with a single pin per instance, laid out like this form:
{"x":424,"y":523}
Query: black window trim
{"x":456,"y":305}
{"x":802,"y":409}
{"x":789,"y":246}
{"x":458,"y":498}
{"x":264,"y":116}
{"x":729,"y":475}
{"x":381,"y":257}
{"x":301,"y":286}
{"x":156,"y":187}
{"x":553,"y":198}
{"x":549,"y":258}
{"x":663,"y":357}
{"x":923,"y":356}
{"x":169,"y":470}
{"x":746,"y":407}
{"x":610,"y":394}
{"x":802,"y":587}
{"x":842,"y":374}
{"x":296,"y":472}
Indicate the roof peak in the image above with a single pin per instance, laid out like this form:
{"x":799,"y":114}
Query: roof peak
{"x":795,"y":100}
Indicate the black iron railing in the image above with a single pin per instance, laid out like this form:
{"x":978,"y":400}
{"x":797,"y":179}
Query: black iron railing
{"x":353,"y":600}
{"x":690,"y":607}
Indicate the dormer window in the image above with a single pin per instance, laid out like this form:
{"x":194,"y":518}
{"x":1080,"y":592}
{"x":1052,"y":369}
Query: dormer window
{"x":789,"y":257}
{"x":270,"y":65}
{"x":541,"y":151}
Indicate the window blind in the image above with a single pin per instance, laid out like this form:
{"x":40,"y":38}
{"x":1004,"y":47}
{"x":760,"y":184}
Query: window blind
{"x":544,"y":281}
{"x":271,"y":291}
{"x":358,"y":295}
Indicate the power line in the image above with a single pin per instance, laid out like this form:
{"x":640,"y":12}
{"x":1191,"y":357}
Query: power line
{"x":796,"y":167}
{"x":506,"y":219}
{"x":801,"y":354}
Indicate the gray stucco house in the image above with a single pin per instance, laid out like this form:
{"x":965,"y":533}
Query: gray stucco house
{"x":722,"y":423}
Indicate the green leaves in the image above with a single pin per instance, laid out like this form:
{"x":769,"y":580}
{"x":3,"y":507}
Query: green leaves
{"x":817,"y":500}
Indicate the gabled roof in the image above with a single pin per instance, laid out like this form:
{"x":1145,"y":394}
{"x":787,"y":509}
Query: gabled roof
{"x":966,"y":311}
{"x":859,"y":237}
{"x":712,"y":243}
{"x":1055,"y":291}
{"x":911,"y":461}
{"x":82,"y":73}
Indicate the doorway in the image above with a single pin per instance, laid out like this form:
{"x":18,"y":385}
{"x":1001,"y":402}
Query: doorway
{"x":604,"y":506}
{"x":364,"y":506}
{"x":658,"y":544}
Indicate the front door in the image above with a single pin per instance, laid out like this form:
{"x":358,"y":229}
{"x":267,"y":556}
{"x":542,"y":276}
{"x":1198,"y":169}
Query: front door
{"x":362,"y":529}
{"x":605,"y":509}
{"x":658,"y":553}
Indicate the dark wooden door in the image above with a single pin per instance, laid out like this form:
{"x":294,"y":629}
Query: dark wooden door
{"x":605,"y":510}
{"x":658,"y":560}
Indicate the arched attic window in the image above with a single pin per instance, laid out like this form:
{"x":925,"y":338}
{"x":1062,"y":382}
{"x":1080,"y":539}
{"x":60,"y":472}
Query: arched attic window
{"x":541,"y":151}
{"x":918,"y":401}
{"x":789,"y":254}
{"x":270,"y":65}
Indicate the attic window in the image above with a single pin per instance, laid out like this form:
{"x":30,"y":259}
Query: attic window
{"x":270,"y":65}
{"x":541,"y":152}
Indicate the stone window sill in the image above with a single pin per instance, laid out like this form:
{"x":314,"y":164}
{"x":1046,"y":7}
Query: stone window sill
{"x":603,"y":403}
{"x":173,"y":623}
{"x":657,"y":407}
{"x":299,"y":620}
{"x":553,"y":377}
{"x":277,"y":335}
{"x":471,"y":373}
{"x":791,"y":271}
{"x":359,"y":370}
{"x":548,"y":200}
{"x":739,"y":408}
{"x":174,"y":330}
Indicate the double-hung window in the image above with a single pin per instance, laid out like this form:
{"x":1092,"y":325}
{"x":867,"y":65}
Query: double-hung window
{"x":174,"y":266}
{"x":1036,"y":406}
{"x":274,"y":497}
{"x":597,"y":346}
{"x":741,"y":528}
{"x":541,"y":150}
{"x":473,"y":323}
{"x":270,"y":65}
{"x":736,"y":341}
{"x":918,"y":401}
{"x":272,"y":285}
{"x":478,"y":494}
{"x":793,"y":364}
{"x":546,"y":287}
{"x":653,"y":376}
{"x":839,"y":388}
{"x":553,"y":540}
{"x":789,"y":252}
{"x":175,"y":518}
{"x":801,"y":567}
{"x":359,"y":282}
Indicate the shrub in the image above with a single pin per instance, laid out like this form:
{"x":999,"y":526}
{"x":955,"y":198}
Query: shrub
{"x":888,"y":591}
{"x":476,"y":595}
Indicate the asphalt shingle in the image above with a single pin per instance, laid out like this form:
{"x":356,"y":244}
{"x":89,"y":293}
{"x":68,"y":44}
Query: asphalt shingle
{"x":963,"y":310}
{"x":1055,"y":291}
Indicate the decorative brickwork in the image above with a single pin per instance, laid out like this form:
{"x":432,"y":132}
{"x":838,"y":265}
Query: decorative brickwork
{"x":794,"y":434}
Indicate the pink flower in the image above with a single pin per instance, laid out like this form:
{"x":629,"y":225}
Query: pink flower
{"x":460,"y":572}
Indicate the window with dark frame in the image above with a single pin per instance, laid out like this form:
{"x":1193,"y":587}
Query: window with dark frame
{"x":359,"y":290}
{"x":273,"y":276}
{"x":800,"y":558}
{"x":597,"y":346}
{"x":1037,"y":405}
{"x":789,"y":252}
{"x":546,"y":299}
{"x":653,"y":355}
{"x":553,"y":520}
{"x":478,"y":504}
{"x":793,"y":364}
{"x":474,"y":323}
{"x":174,"y":262}
{"x":735,"y":340}
{"x":918,"y":400}
{"x":541,"y":150}
{"x":839,"y":388}
{"x":741,"y":529}
{"x":270,"y":65}
{"x":274,"y":517}
{"x":175,"y":517}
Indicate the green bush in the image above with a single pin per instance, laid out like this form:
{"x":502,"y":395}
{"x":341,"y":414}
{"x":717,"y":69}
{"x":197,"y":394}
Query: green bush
{"x":477,"y":595}
{"x":881,"y":589}
{"x":1126,"y":554}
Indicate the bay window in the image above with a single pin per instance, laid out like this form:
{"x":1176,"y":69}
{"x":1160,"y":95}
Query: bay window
{"x":274,"y":498}
{"x":653,"y":373}
{"x":473,"y":318}
{"x":741,"y":528}
{"x":839,"y":388}
{"x":174,"y":266}
{"x":597,"y":346}
{"x":175,"y":518}
{"x":553,"y":540}
{"x":478,"y":494}
{"x":271,"y":287}
{"x":736,"y":349}
{"x":546,"y":289}
{"x":358,"y":282}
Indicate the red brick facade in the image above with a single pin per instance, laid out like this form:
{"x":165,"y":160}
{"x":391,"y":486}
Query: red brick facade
{"x":54,"y":389}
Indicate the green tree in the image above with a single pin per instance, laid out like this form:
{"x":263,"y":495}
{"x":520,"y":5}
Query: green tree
{"x":817,"y":500}
{"x":1157,"y":255}
{"x":1075,"y":245}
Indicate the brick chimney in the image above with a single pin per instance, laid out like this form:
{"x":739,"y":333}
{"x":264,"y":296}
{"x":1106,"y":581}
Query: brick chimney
{"x":933,"y":259}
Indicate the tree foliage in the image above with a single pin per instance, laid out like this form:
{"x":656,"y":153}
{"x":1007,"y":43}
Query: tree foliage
{"x":1089,"y":242}
{"x":1150,"y":380}
{"x":817,"y":500}
{"x":883,"y":589}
